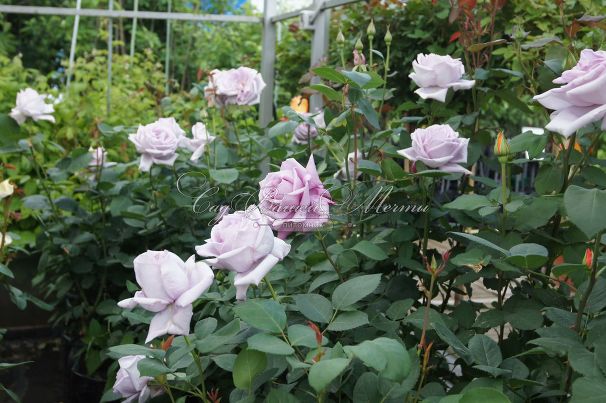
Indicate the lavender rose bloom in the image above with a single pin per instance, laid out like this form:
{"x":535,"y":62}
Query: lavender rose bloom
{"x":30,"y":104}
{"x":582,"y":98}
{"x":198,"y":142}
{"x":295,"y":198}
{"x":241,"y":86}
{"x":439,"y":147}
{"x":157,"y":142}
{"x":305,"y":130}
{"x":244,"y":243}
{"x":435,"y":74}
{"x":130,"y":385}
{"x":169,"y":286}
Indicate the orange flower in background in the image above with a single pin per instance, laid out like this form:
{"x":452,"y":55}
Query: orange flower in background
{"x":299,"y":104}
{"x":588,"y":258}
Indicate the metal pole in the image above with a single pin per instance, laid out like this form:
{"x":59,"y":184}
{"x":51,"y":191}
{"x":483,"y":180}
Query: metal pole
{"x":72,"y":50}
{"x":133,"y":33}
{"x":167,"y":60}
{"x":319,"y":47}
{"x":266,"y":108}
{"x":110,"y":54}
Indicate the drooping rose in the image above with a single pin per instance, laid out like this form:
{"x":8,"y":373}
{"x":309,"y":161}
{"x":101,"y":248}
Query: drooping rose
{"x":200,"y":138}
{"x":439,"y":147}
{"x":582,"y":98}
{"x":243,"y":242}
{"x":6,"y":189}
{"x":241,"y":86}
{"x":157,"y":142}
{"x":305,"y":130}
{"x":351,"y":166}
{"x":169,"y":286}
{"x":435,"y":74}
{"x":30,"y":104}
{"x":294,"y":198}
{"x":130,"y":385}
{"x":358,"y":58}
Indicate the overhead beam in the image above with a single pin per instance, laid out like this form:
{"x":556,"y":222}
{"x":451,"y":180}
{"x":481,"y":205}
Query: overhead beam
{"x":327,"y":5}
{"x":148,"y":15}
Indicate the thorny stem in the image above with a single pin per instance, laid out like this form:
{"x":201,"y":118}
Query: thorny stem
{"x":332,"y":262}
{"x":198,"y":362}
{"x":385,"y":71}
{"x":271,"y":289}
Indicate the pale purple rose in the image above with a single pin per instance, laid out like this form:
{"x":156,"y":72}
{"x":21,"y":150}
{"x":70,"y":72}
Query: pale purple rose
{"x":582,"y":98}
{"x":435,"y":74}
{"x":130,"y":385}
{"x":157,"y":142}
{"x":200,"y":139}
{"x":244,"y":243}
{"x":358,"y":58}
{"x":30,"y":104}
{"x":438,"y":147}
{"x":169,"y":286}
{"x":305,"y":131}
{"x":241,"y":86}
{"x":294,"y":198}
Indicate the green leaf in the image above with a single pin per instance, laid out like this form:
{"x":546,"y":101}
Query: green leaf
{"x":485,"y":351}
{"x":248,"y":364}
{"x":280,"y":396}
{"x":586,"y":209}
{"x":360,"y":79}
{"x":528,"y":141}
{"x":370,"y":250}
{"x":152,"y":367}
{"x":269,"y":344}
{"x":10,"y":130}
{"x":348,"y":320}
{"x":262,"y":314}
{"x":399,"y":309}
{"x":328,"y":92}
{"x":301,"y":335}
{"x":548,"y":180}
{"x":6,"y":271}
{"x":528,"y":255}
{"x":385,"y":355}
{"x":481,"y":241}
{"x":588,"y":390}
{"x":134,"y":349}
{"x":322,"y":373}
{"x":225,"y":176}
{"x":484,"y":395}
{"x":281,"y":128}
{"x":353,"y":290}
{"x":369,"y":167}
{"x":469,"y":202}
{"x":314,"y":307}
{"x":330,"y":74}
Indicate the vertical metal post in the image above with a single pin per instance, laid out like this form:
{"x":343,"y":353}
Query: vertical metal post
{"x":110,"y":55}
{"x":268,"y":55}
{"x":72,"y":50}
{"x":133,"y":33}
{"x":167,"y":60}
{"x":319,"y":47}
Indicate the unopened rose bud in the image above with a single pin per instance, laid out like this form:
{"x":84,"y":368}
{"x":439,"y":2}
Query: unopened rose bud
{"x":588,"y":258}
{"x":388,"y":37}
{"x":501,"y":147}
{"x":359,"y":45}
{"x":340,"y":38}
{"x":371,"y":31}
{"x":446,"y":256}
